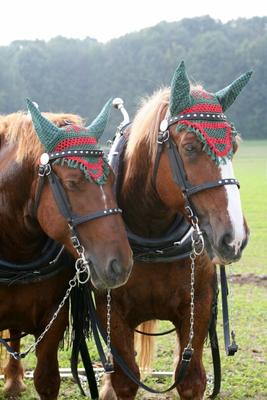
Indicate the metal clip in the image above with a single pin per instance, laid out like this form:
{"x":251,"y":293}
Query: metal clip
{"x":163,"y":137}
{"x":44,"y":170}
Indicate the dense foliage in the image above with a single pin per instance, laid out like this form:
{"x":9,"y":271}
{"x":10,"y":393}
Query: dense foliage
{"x":80,"y":75}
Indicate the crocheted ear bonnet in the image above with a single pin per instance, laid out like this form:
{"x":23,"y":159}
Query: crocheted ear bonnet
{"x":73,"y":137}
{"x":199,"y":108}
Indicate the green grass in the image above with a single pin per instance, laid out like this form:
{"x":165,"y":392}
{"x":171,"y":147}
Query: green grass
{"x":244,"y":376}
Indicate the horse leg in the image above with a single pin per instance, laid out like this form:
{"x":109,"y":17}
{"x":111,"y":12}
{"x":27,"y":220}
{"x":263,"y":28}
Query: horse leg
{"x":46,"y":374}
{"x":193,"y":384}
{"x":117,"y":386}
{"x":13,"y":370}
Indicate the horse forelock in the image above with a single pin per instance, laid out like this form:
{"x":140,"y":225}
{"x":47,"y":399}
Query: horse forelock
{"x":17,"y":128}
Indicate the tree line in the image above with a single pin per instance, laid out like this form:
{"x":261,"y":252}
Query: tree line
{"x":78,"y":76}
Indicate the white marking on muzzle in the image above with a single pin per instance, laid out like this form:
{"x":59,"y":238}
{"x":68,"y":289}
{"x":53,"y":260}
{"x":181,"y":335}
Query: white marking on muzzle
{"x":234,"y":207}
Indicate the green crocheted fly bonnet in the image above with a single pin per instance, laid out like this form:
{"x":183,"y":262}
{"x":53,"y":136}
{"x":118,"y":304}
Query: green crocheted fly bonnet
{"x":202,"y":112}
{"x":73,"y":137}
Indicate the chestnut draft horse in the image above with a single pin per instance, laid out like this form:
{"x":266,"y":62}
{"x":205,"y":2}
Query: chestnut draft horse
{"x":176,"y":167}
{"x":71,"y":202}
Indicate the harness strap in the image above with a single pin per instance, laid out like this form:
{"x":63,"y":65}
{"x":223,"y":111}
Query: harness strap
{"x":215,"y":350}
{"x":230,"y":348}
{"x":178,"y":171}
{"x":216,"y":359}
{"x":60,"y":196}
{"x":156,"y":333}
{"x":96,"y":328}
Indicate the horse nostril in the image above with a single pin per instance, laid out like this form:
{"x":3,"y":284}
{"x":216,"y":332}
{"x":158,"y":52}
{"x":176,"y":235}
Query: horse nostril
{"x":227,"y":239}
{"x":114,"y":268}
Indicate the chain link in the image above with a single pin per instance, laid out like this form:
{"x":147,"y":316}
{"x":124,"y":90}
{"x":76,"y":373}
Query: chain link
{"x":109,"y":326}
{"x":81,"y":266}
{"x":197,"y":249}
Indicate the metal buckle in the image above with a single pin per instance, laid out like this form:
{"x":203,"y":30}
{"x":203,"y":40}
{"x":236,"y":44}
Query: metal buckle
{"x":163,"y":137}
{"x":44,"y":170}
{"x":187,"y":354}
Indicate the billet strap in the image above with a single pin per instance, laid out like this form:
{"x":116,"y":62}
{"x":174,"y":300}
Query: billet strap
{"x":230,"y":348}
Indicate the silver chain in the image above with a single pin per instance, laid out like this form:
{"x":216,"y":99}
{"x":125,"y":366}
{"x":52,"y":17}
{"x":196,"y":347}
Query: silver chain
{"x":197,"y":249}
{"x":81,"y":267}
{"x":109,"y":326}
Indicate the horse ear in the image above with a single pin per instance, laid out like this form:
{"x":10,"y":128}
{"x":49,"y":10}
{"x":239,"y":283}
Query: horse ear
{"x":180,"y":90}
{"x":97,"y":127}
{"x":45,"y":129}
{"x":227,"y":96}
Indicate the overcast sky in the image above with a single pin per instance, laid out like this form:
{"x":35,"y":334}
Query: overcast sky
{"x":104,"y":20}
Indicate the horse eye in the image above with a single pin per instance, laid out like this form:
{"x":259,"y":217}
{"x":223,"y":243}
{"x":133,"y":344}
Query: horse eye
{"x":190,"y":148}
{"x":71,"y":185}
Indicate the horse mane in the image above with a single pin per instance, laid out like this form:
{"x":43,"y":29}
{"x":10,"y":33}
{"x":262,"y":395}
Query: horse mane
{"x":17,"y":129}
{"x":141,"y":146}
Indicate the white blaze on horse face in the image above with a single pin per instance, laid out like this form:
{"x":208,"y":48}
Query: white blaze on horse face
{"x":234,"y":207}
{"x":104,"y":198}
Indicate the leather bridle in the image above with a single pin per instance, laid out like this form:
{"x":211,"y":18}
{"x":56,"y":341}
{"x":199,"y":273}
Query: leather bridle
{"x":61,"y":199}
{"x":176,"y":162}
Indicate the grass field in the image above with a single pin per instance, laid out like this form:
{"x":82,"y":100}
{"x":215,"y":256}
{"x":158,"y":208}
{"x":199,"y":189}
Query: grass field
{"x":244,"y":376}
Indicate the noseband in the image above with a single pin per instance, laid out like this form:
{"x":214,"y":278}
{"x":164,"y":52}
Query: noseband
{"x":176,"y":162}
{"x":61,"y":199}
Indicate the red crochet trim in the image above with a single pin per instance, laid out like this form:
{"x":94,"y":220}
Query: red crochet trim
{"x":75,"y":128}
{"x":211,"y":141}
{"x":217,"y":108}
{"x":66,"y":143}
{"x":90,"y":166}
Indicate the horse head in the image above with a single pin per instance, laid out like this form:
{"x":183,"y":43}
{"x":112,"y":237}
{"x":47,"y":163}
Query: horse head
{"x":201,"y":144}
{"x":74,"y":201}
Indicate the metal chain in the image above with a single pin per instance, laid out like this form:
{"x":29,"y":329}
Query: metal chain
{"x":197,"y":249}
{"x":81,"y":267}
{"x":109,"y":326}
{"x":192,"y":300}
{"x":72,"y":283}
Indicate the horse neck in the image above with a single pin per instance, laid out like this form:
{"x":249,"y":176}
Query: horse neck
{"x":21,"y":238}
{"x":143,"y":211}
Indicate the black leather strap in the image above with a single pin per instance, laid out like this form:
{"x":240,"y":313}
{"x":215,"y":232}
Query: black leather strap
{"x":230,"y":348}
{"x":155,"y":333}
{"x":196,"y":116}
{"x":75,"y":153}
{"x":96,"y":327}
